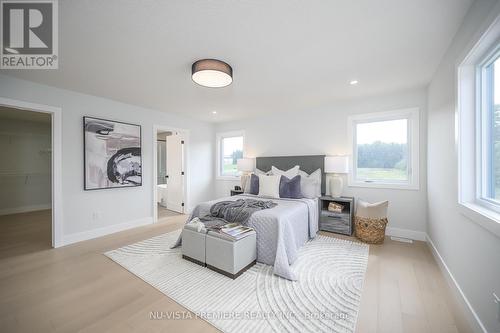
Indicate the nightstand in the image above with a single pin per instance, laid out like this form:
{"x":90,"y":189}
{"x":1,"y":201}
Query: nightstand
{"x":339,"y":222}
{"x":236,"y":192}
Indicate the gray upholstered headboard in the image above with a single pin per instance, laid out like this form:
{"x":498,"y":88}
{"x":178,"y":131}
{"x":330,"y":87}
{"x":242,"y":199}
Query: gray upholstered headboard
{"x":308,"y":163}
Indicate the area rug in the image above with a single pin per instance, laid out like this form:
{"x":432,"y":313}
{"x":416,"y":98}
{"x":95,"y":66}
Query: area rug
{"x":325,"y":298}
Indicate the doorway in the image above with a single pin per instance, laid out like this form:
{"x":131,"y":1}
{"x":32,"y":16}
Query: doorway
{"x":56,"y":159}
{"x":170,"y":173}
{"x":26,"y":181}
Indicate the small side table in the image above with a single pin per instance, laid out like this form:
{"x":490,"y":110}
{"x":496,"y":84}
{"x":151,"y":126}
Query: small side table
{"x":341,"y":222}
{"x":236,"y":192}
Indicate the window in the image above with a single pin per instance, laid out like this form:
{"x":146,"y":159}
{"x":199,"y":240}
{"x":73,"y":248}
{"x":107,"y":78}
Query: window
{"x":489,"y":133}
{"x":385,"y":149}
{"x":478,"y":131}
{"x":229,"y":150}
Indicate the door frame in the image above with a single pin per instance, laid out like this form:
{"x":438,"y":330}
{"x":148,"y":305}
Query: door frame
{"x":56,"y":163}
{"x":185,"y":134}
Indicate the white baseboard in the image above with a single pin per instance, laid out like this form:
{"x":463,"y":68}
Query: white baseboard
{"x":24,"y":209}
{"x":471,"y":315}
{"x":99,"y":232}
{"x":406,"y":233}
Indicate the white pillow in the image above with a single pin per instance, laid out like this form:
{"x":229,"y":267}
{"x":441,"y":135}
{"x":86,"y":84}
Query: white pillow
{"x":306,"y":179}
{"x":269,"y":186}
{"x":309,"y":187}
{"x":376,"y":210}
{"x":290,"y":173}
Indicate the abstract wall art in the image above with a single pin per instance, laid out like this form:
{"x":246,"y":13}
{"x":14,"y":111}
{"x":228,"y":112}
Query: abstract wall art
{"x":112,"y":154}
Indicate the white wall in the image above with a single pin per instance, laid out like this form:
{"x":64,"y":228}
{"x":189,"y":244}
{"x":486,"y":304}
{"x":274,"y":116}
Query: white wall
{"x":324,"y":131}
{"x":131,"y":206}
{"x":471,"y":253}
{"x":25,"y":167}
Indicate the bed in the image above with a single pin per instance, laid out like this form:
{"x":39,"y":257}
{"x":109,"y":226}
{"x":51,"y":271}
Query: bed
{"x":283,"y":229}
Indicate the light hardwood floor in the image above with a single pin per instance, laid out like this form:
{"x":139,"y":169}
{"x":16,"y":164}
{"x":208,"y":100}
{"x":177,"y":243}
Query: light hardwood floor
{"x":163,"y":212}
{"x":76,"y":288}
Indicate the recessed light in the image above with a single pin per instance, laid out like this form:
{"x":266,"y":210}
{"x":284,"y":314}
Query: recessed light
{"x":353,"y":82}
{"x":214,"y":112}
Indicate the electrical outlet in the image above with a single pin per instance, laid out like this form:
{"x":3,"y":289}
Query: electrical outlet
{"x":95,"y":216}
{"x":497,"y":301}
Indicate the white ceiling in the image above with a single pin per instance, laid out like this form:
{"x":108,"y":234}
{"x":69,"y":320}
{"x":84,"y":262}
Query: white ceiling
{"x":286,"y":54}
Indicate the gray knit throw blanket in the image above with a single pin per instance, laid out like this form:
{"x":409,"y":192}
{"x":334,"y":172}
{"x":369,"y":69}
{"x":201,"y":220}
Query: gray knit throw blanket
{"x":238,"y":211}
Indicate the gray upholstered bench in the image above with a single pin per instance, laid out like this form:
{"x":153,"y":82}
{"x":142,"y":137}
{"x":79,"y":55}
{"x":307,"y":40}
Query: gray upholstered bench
{"x":230,"y":257}
{"x":193,"y":244}
{"x":217,"y":252}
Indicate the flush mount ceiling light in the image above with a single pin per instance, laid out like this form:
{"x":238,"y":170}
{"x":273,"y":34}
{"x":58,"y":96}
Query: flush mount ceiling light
{"x":212,"y":73}
{"x":353,"y":82}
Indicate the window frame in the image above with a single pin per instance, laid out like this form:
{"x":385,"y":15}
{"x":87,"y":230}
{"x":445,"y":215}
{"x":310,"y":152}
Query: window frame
{"x":413,"y":132}
{"x":219,"y":137}
{"x":483,"y":133}
{"x":468,"y":129}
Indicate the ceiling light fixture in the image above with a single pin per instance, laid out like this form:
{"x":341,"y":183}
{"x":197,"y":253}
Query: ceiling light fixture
{"x":353,"y":82}
{"x":212,"y":73}
{"x":214,"y":112}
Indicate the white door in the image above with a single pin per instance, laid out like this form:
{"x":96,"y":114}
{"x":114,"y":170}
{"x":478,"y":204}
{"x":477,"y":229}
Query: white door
{"x":175,"y":171}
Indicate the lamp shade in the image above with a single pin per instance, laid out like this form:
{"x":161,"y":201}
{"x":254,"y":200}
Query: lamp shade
{"x":336,"y":164}
{"x":212,"y":73}
{"x":245,"y":164}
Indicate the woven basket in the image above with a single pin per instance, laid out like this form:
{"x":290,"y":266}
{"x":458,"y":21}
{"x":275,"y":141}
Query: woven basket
{"x":370,"y":230}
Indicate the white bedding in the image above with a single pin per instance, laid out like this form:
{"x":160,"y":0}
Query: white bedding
{"x":281,"y":230}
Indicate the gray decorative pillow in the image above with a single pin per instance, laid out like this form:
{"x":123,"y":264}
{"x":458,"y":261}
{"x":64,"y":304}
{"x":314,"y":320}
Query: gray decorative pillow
{"x":254,"y":184}
{"x":290,"y":188}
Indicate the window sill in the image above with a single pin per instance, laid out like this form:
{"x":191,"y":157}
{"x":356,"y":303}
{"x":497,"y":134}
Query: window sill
{"x":385,"y":186}
{"x":486,"y":218}
{"x":228,"y":178}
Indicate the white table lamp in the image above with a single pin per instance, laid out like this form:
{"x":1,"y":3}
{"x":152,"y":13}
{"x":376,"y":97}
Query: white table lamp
{"x":336,"y":165}
{"x":246,"y":166}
